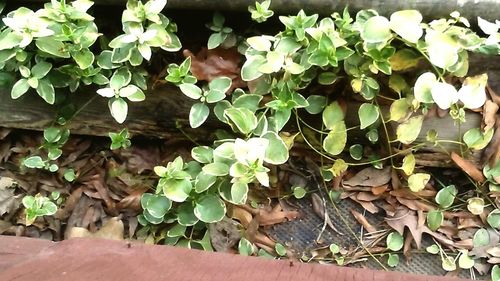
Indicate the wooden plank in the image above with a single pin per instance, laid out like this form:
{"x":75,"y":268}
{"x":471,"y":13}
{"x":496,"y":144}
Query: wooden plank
{"x":488,"y":9}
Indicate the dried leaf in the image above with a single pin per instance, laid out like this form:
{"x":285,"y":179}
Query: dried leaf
{"x":8,"y":201}
{"x":210,"y":64}
{"x":240,"y":214}
{"x":363,"y":221}
{"x":378,"y":190}
{"x":224,"y":234}
{"x":367,"y":196}
{"x":407,"y":218}
{"x":369,"y":206}
{"x":318,"y":205}
{"x":468,"y":167}
{"x":370,"y":177}
{"x":112,"y":229}
{"x":276,"y":215}
{"x":489,"y":115}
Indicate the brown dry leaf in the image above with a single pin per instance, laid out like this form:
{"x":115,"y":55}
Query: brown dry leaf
{"x":240,"y":214}
{"x":131,"y":201}
{"x":408,"y":194}
{"x":224,"y":234}
{"x":112,"y":229}
{"x":97,"y":183}
{"x":363,"y":221}
{"x":491,"y":153}
{"x":140,"y":159}
{"x":210,"y":64}
{"x":8,"y":201}
{"x":367,"y":196}
{"x":469,"y":222}
{"x":494,"y":96}
{"x":369,"y":206}
{"x":405,"y":217}
{"x":370,"y":177}
{"x":276,"y":215}
{"x":70,"y":204}
{"x":378,"y":190}
{"x":415,"y":204}
{"x":468,"y":167}
{"x":490,"y":110}
{"x":318,"y":205}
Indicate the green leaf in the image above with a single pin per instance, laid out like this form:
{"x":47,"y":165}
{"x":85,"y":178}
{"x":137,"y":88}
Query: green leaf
{"x":334,"y":248}
{"x":120,"y":78}
{"x":393,"y":260}
{"x":316,"y":104}
{"x":408,"y":164}
{"x":20,"y":88}
{"x":84,"y":58}
{"x":408,"y":131}
{"x":245,"y":248}
{"x":203,"y":182}
{"x":277,"y":150}
{"x":210,"y":209}
{"x":239,"y":192}
{"x":481,"y":238}
{"x":417,"y":182}
{"x":249,"y":70}
{"x":423,"y":87}
{"x":475,"y":139}
{"x":395,"y":241}
{"x":336,"y":139}
{"x":46,"y":91}
{"x":213,"y":96}
{"x":442,"y":48}
{"x":177,"y":230}
{"x":448,"y":263}
{"x":376,"y":30}
{"x":464,"y":261}
{"x":475,"y":205}
{"x":34,"y":162}
{"x":327,"y":78}
{"x":242,"y":118}
{"x":216,"y":169}
{"x":495,"y":273}
{"x":356,"y":151}
{"x":41,"y":69}
{"x":215,"y":40}
{"x":433,"y":249}
{"x":249,"y":101}
{"x":52,"y":134}
{"x":400,"y":109}
{"x":368,"y":114}
{"x":406,"y":24}
{"x":69,"y":175}
{"x":158,"y":206}
{"x":185,"y":214}
{"x":119,"y":109}
{"x":494,"y":219}
{"x":9,"y":39}
{"x":280,"y":249}
{"x":332,"y":115}
{"x":191,"y":90}
{"x":202,"y":154}
{"x":53,"y":47}
{"x":176,"y":190}
{"x":198,"y":114}
{"x":446,"y":196}
{"x":221,"y":84}
{"x":132,"y":93}
{"x":404,"y":59}
{"x":434,"y":219}
{"x":299,"y":192}
{"x":444,"y":94}
{"x":259,"y":43}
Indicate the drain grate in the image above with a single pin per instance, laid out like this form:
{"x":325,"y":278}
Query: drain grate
{"x":300,"y":236}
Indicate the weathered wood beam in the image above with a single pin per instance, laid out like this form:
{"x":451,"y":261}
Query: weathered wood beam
{"x":489,"y":9}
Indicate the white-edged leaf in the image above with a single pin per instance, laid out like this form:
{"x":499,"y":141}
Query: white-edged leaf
{"x":444,"y":94}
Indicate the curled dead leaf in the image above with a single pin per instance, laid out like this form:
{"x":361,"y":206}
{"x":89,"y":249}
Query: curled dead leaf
{"x":468,"y":167}
{"x":210,"y":64}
